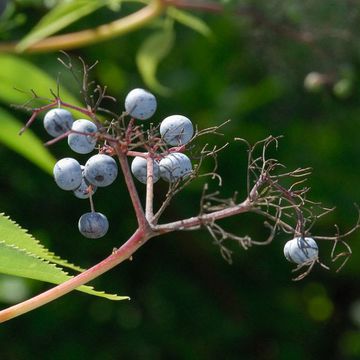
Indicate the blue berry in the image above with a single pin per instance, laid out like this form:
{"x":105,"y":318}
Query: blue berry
{"x":174,"y":167}
{"x":139,"y":169}
{"x":67,"y":174}
{"x":93,"y":225}
{"x":82,"y":191}
{"x":58,"y":122}
{"x":101,"y":170}
{"x":176,"y":130}
{"x":301,"y":250}
{"x":82,"y":144}
{"x":140,"y":104}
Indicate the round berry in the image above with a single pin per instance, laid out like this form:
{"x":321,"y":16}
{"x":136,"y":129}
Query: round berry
{"x":174,"y":167}
{"x":301,"y":250}
{"x":139,"y":169}
{"x":82,"y":144}
{"x":140,"y":104}
{"x":93,"y":225}
{"x":176,"y":130}
{"x":82,"y":192}
{"x":67,"y":174}
{"x":58,"y":122}
{"x":101,"y":170}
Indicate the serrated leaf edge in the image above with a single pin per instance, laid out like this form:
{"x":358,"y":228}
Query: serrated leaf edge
{"x":52,"y":257}
{"x":83,"y":288}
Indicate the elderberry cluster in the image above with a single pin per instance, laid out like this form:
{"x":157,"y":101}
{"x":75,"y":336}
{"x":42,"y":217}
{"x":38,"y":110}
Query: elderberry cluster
{"x":101,"y":170}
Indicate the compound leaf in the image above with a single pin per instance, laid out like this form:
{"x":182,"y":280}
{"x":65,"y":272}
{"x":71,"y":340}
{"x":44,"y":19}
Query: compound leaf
{"x":154,"y":49}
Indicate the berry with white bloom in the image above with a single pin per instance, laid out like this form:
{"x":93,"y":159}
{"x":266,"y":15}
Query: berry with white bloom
{"x":82,"y":192}
{"x":176,"y":130}
{"x":58,"y":122}
{"x":67,"y":174}
{"x":82,"y":144}
{"x":93,"y":225}
{"x":301,"y":250}
{"x":175,"y":166}
{"x":140,"y":104}
{"x":101,"y":170}
{"x":139,"y":169}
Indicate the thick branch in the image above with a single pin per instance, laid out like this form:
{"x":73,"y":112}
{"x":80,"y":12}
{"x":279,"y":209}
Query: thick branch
{"x":118,"y":256}
{"x":197,"y":221}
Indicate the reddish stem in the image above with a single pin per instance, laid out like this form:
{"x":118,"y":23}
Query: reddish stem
{"x":149,"y":210}
{"x":35,"y":113}
{"x":118,"y":256}
{"x":197,"y":221}
{"x":139,"y":211}
{"x":87,"y":112}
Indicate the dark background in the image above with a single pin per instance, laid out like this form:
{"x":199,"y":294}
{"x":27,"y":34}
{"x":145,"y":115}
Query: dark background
{"x":186,"y":301}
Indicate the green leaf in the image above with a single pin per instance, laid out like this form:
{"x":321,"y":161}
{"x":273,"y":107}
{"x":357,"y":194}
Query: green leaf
{"x":14,"y":235}
{"x":27,"y":145}
{"x":17,"y":262}
{"x":61,"y":16}
{"x":154,"y":49}
{"x":18,"y":74}
{"x":21,"y":255}
{"x":190,"y":21}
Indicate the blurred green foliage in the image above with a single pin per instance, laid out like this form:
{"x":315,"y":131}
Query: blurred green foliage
{"x":186,"y":302}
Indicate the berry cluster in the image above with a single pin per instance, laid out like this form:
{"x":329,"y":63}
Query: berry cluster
{"x":101,"y":170}
{"x":159,"y":149}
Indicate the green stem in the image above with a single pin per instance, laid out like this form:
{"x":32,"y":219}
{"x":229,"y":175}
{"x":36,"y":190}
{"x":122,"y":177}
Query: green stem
{"x":86,"y":37}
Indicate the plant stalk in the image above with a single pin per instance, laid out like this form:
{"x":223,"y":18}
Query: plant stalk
{"x":87,"y":37}
{"x":139,"y":211}
{"x":123,"y":253}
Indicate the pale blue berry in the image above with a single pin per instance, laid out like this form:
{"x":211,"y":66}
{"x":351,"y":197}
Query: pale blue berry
{"x":82,"y":192}
{"x":58,"y":122}
{"x":93,"y":225}
{"x":140,"y":104}
{"x":67,"y":174}
{"x":176,"y":130}
{"x":82,"y":144}
{"x":139,"y":169}
{"x":175,"y":166}
{"x":301,"y":250}
{"x":101,"y":170}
